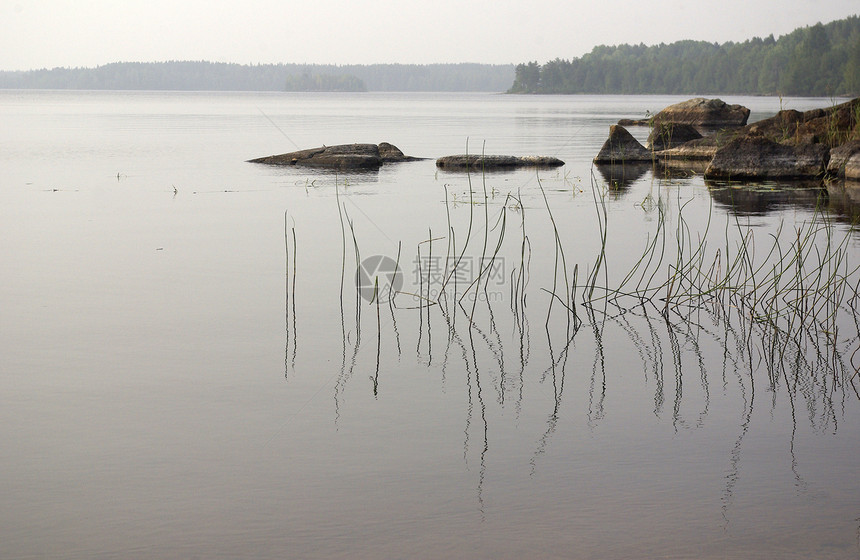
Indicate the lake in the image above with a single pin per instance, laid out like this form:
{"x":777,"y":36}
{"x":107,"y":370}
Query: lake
{"x":208,"y":358}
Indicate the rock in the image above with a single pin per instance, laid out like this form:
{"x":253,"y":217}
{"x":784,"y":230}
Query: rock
{"x":852,"y":168}
{"x":670,"y":135}
{"x":840,"y":156}
{"x":343,"y":156}
{"x":703,"y":113}
{"x":678,"y":168}
{"x":833,"y":126}
{"x":694,"y":150}
{"x":757,"y":157}
{"x":492,"y":162}
{"x":392,"y":154}
{"x":791,"y":144}
{"x":622,"y":147}
{"x":634,"y":122}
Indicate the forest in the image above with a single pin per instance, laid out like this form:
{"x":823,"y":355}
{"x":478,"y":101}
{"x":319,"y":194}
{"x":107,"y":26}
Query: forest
{"x":821,"y":60}
{"x":217,"y":76}
{"x":324,"y":82}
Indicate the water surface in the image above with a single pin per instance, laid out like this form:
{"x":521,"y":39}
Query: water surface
{"x":183,"y":374}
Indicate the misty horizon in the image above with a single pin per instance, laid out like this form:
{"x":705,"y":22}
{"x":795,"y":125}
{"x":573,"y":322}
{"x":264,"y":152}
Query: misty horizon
{"x":53,"y":34}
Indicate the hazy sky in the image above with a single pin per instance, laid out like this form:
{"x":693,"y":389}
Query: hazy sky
{"x":50,"y":33}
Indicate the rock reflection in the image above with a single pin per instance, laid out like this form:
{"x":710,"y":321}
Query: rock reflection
{"x":764,"y":198}
{"x":844,"y":200}
{"x":620,"y":177}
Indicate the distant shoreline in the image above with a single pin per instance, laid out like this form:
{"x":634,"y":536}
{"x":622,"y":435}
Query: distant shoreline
{"x":216,"y":76}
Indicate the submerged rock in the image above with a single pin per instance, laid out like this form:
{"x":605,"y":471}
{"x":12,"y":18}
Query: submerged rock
{"x":343,"y":156}
{"x":757,"y":157}
{"x":493,"y":162}
{"x":621,"y":147}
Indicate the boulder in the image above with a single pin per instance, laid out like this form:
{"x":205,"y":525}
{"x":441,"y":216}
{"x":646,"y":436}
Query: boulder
{"x":840,"y":156}
{"x":493,"y":162}
{"x":758,"y":157}
{"x":621,"y":147}
{"x":852,"y":168}
{"x":833,"y":126}
{"x":704,"y":113}
{"x":343,"y":156}
{"x":791,"y":144}
{"x":670,"y":135}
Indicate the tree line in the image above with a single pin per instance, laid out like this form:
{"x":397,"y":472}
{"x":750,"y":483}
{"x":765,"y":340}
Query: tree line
{"x":821,"y":60}
{"x":324,"y":82}
{"x":217,"y":76}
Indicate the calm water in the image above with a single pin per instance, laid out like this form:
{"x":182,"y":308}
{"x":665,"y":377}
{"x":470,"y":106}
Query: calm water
{"x":182,"y":374}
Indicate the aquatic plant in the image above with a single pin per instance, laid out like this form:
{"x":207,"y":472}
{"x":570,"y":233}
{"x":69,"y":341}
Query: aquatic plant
{"x":791,"y":288}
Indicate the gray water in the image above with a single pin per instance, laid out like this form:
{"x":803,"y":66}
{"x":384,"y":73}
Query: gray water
{"x":183,"y":375}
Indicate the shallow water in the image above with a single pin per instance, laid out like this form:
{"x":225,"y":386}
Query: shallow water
{"x":183,"y":374}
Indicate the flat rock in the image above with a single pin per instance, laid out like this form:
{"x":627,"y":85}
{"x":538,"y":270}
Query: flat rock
{"x":343,"y":156}
{"x":695,"y":150}
{"x":758,"y":157}
{"x":703,"y":112}
{"x":495,"y":162}
{"x":621,"y":147}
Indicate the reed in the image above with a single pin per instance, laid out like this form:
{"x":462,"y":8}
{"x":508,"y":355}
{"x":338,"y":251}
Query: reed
{"x":785,"y":297}
{"x":794,"y":285}
{"x":559,"y":259}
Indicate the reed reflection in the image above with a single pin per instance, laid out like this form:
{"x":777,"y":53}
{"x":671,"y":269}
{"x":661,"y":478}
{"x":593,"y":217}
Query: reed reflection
{"x":781,"y":312}
{"x":291,"y":335}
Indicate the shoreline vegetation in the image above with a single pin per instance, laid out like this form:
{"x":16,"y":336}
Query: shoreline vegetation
{"x":817,"y":61}
{"x":325,"y":82}
{"x":218,"y":76}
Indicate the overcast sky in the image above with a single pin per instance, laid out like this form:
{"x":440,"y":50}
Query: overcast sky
{"x":51,"y":33}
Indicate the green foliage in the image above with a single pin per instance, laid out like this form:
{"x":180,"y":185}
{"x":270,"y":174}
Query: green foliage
{"x":822,"y":60}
